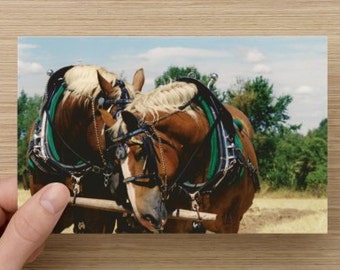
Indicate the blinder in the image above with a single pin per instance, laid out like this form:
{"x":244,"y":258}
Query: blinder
{"x":150,"y":177}
{"x":121,"y":103}
{"x":120,"y":151}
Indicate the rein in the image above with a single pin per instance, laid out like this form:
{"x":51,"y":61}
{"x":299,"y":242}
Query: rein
{"x":179,"y":179}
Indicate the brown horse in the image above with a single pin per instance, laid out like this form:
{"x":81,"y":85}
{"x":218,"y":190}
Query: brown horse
{"x":69,"y":142}
{"x":174,"y":159}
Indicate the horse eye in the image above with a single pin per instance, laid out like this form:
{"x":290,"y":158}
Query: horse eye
{"x":140,"y":154}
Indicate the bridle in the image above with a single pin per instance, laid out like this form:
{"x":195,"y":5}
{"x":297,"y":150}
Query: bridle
{"x":150,"y":168}
{"x":151,"y":158}
{"x":121,"y":102}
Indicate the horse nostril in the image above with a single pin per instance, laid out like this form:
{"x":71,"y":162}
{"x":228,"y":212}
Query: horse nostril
{"x":151,"y":219}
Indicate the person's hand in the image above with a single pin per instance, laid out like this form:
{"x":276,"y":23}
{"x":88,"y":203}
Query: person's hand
{"x":28,"y":228}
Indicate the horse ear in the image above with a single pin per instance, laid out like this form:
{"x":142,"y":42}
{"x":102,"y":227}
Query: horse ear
{"x":130,"y":120}
{"x":104,"y":84}
{"x":138,"y":80}
{"x":107,"y":117}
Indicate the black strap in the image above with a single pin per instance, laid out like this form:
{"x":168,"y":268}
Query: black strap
{"x":214,"y":102}
{"x":53,"y":84}
{"x":225,"y":127}
{"x":179,"y":179}
{"x":55,"y":131}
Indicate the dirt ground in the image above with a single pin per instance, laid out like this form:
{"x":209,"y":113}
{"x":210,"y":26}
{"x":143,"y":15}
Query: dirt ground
{"x":268,"y":215}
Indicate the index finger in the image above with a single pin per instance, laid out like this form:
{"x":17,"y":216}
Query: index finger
{"x":8,"y":200}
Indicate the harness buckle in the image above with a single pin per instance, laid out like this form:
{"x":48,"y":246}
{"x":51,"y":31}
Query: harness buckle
{"x":76,"y":186}
{"x":107,"y":176}
{"x":96,"y":169}
{"x":194,"y":203}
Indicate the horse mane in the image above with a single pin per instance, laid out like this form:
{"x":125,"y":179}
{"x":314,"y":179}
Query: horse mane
{"x":167,"y":99}
{"x":82,"y":84}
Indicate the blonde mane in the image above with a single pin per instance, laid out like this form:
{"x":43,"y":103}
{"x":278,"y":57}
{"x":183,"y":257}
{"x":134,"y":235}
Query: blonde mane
{"x":166,"y":99}
{"x":82,"y":81}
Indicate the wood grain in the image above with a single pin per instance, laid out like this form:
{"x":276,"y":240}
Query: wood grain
{"x":177,"y":18}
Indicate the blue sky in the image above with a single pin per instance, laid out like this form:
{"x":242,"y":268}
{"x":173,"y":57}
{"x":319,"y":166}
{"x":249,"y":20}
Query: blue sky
{"x":294,"y":65}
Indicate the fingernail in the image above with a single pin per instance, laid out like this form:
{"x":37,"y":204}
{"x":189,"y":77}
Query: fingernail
{"x":53,"y":200}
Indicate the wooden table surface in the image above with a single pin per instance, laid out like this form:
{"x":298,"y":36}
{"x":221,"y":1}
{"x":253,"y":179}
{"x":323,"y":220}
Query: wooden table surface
{"x":178,"y":18}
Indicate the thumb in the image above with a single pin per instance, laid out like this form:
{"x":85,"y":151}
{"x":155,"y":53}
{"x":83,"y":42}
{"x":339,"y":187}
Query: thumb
{"x":31,"y":225}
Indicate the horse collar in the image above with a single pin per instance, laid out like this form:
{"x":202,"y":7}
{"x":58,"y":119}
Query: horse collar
{"x":42,"y":151}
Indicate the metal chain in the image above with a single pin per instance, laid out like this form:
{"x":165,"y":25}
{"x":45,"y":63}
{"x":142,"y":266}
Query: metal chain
{"x":161,"y":151}
{"x":96,"y":131}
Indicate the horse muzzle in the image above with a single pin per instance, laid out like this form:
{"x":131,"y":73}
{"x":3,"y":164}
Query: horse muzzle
{"x":154,"y":219}
{"x":148,"y":205}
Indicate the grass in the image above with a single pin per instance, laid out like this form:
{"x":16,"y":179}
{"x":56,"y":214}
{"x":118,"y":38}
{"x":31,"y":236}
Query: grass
{"x":23,"y":196}
{"x":267,"y":192}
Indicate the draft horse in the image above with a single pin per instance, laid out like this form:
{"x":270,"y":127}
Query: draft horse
{"x":69,"y":144}
{"x":184,"y":149}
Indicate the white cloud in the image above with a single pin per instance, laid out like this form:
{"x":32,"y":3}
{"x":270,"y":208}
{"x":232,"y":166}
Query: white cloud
{"x":304,"y":90}
{"x":25,"y":68}
{"x":166,"y":53}
{"x":254,"y":56}
{"x":157,"y":60}
{"x":26,"y":46}
{"x":262,"y":69}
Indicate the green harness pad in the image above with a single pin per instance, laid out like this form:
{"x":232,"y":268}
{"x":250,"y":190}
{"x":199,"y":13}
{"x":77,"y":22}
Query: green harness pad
{"x":238,"y":123}
{"x":49,"y":131}
{"x":51,"y":112}
{"x":214,"y":152}
{"x":49,"y":105}
{"x":31,"y":164}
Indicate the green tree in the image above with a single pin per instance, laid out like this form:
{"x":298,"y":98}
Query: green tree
{"x":28,"y":110}
{"x":311,"y":166}
{"x":268,"y":115}
{"x":321,"y":131}
{"x":280,"y":171}
{"x":173,"y":73}
{"x":255,"y":98}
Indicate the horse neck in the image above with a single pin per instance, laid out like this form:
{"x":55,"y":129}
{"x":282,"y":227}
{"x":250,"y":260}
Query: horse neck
{"x":72,"y":122}
{"x":190,"y":133}
{"x":183,"y":127}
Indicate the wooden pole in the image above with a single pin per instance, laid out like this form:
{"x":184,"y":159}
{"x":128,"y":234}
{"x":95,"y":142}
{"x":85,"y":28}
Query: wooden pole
{"x":112,"y":206}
